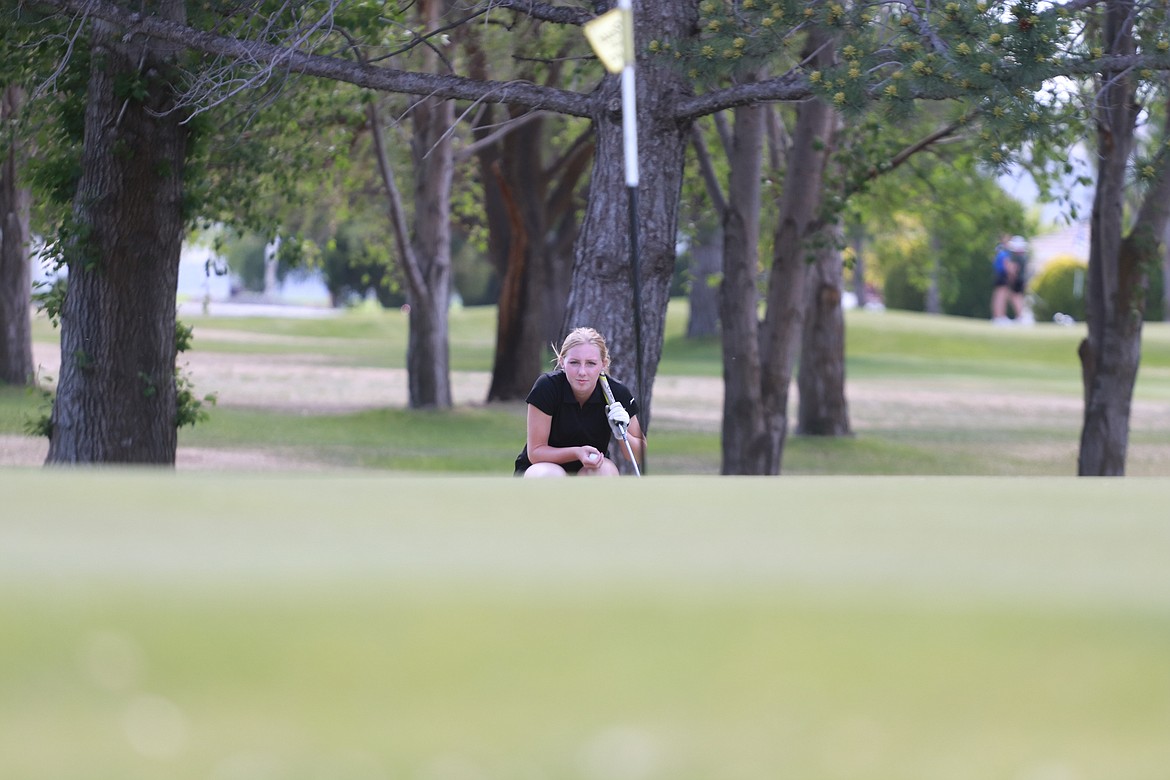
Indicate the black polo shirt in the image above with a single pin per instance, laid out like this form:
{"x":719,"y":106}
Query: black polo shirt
{"x":574,"y":424}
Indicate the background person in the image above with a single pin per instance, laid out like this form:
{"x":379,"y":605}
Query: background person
{"x":569,"y":424}
{"x":1010,"y":271}
{"x":1018,"y":280}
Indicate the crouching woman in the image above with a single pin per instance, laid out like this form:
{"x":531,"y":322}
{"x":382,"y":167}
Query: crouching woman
{"x":569,"y":422}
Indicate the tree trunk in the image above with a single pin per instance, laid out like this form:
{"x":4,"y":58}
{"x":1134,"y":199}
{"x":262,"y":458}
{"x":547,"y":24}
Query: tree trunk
{"x":565,"y":219}
{"x":756,"y":424}
{"x":856,"y":240}
{"x":532,"y":237}
{"x":934,"y":283}
{"x":744,"y":431}
{"x":532,"y":216}
{"x":427,"y":353}
{"x":16,"y":360}
{"x":602,"y":291}
{"x":707,"y":254}
{"x":706,"y":264}
{"x":563,"y":211}
{"x":1166,"y":274}
{"x":116,"y":397}
{"x":1117,"y":277}
{"x":784,"y":321}
{"x":823,"y":409}
{"x":518,"y":335}
{"x":509,"y":173}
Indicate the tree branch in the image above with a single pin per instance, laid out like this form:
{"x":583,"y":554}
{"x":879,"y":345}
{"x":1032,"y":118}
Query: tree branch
{"x":903,"y":156}
{"x":1154,"y":213}
{"x":714,"y":191}
{"x":371,"y":77}
{"x":929,"y":140}
{"x":544,"y":12}
{"x":395,"y":210}
{"x":500,"y":131}
{"x":778,"y":141}
{"x":725,"y":135}
{"x":794,"y":86}
{"x":569,"y":169}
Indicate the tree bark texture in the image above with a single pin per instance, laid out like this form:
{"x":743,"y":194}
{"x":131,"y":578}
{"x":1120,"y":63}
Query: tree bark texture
{"x":1114,"y":298}
{"x":744,"y":430}
{"x":427,"y":353}
{"x":822,"y":407}
{"x":16,"y":360}
{"x":116,"y":397}
{"x":602,"y":291}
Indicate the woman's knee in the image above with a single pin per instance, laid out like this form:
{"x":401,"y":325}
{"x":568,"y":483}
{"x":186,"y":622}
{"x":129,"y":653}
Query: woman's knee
{"x":545,"y":470}
{"x":607,"y":469}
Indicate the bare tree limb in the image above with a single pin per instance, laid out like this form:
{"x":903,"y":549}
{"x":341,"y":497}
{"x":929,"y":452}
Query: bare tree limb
{"x":395,"y":209}
{"x":793,"y":86}
{"x":371,"y":77}
{"x":569,"y":168}
{"x":714,"y":190}
{"x":778,"y":140}
{"x":903,"y":156}
{"x":545,"y":12}
{"x":502,"y":129}
{"x":725,"y":135}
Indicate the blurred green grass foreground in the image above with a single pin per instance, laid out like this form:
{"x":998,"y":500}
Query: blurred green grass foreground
{"x":273,"y":626}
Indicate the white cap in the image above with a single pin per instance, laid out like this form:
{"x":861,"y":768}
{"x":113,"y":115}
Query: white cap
{"x":1017,"y":244}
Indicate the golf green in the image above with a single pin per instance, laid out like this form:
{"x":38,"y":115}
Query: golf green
{"x":231,"y":626}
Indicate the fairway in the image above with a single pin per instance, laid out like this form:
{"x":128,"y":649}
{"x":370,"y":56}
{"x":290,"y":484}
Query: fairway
{"x":927,"y":395}
{"x":268,"y":626}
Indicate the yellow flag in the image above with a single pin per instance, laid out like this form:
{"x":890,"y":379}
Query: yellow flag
{"x":606,"y":36}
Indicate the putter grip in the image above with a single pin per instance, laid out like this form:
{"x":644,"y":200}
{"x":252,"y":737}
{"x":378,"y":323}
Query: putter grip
{"x":606,"y":391}
{"x":609,"y":401}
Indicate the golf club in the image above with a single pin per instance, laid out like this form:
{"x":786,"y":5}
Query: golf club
{"x":609,"y":401}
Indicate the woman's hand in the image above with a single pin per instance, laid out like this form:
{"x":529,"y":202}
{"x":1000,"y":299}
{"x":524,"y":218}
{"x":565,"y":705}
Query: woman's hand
{"x":590,"y":457}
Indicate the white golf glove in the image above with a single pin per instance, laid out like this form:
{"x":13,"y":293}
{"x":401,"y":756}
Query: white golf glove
{"x":619,"y":418}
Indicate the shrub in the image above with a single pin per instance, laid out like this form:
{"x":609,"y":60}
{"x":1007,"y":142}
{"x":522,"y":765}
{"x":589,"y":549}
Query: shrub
{"x":900,"y":292}
{"x":1060,"y":287}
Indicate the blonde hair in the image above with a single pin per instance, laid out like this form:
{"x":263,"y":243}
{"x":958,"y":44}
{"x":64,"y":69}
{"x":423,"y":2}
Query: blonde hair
{"x":577,"y":337}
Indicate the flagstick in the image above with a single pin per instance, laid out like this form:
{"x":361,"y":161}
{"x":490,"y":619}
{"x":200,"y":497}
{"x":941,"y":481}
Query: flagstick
{"x":612,"y":37}
{"x":630,"y":149}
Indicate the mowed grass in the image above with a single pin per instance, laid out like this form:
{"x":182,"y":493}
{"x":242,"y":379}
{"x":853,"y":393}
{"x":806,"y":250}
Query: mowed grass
{"x":197,"y":625}
{"x":928,"y":395}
